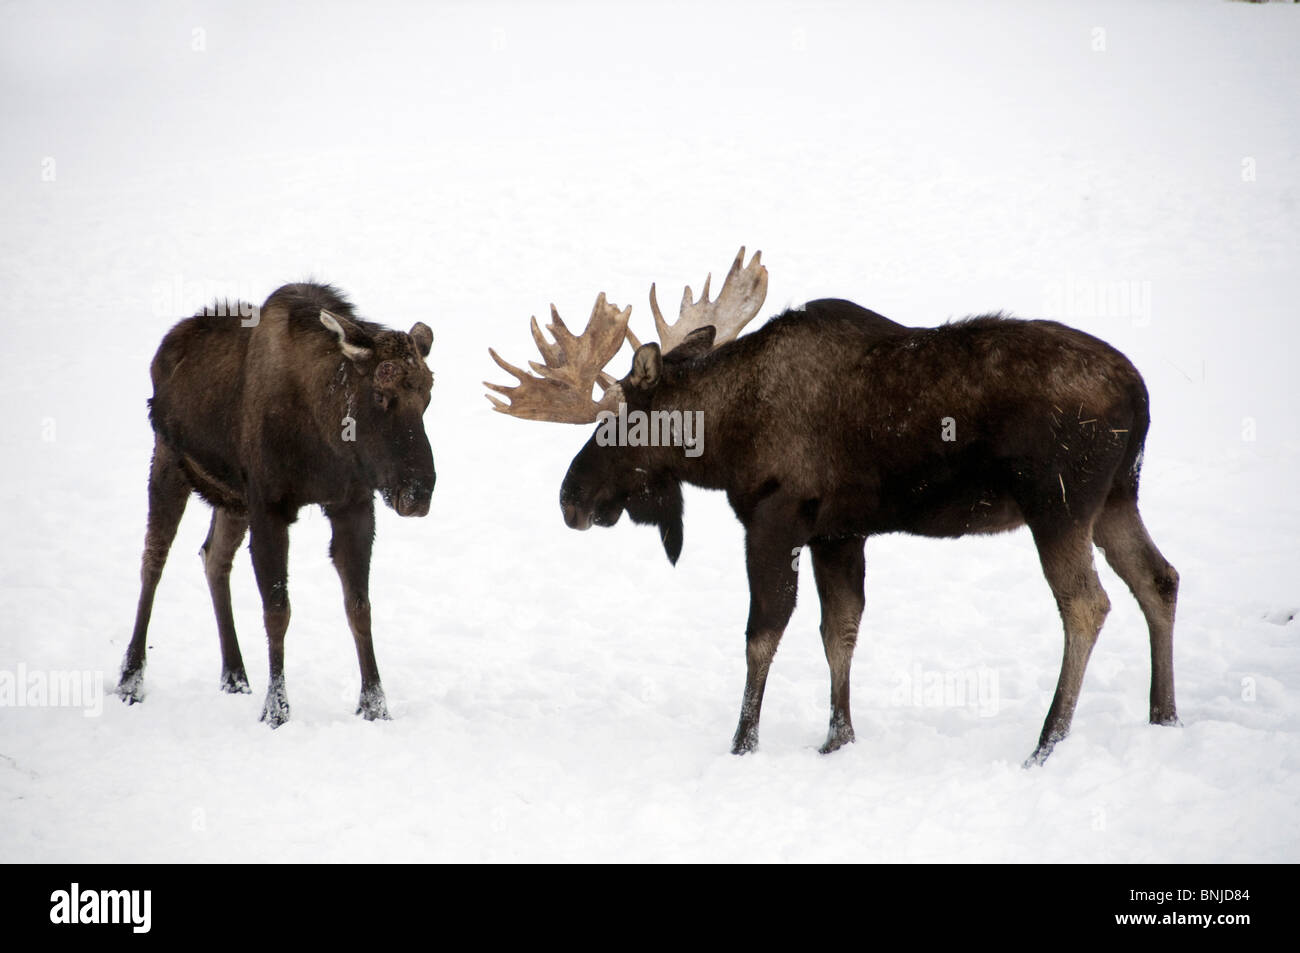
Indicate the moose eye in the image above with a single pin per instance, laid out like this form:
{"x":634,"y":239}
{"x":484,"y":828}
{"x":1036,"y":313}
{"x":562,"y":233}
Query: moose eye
{"x":381,"y":399}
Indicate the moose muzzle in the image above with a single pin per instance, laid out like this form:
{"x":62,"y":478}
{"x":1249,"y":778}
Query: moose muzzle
{"x":413,"y":500}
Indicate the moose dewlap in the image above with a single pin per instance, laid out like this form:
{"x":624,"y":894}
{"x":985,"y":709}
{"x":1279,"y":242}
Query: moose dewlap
{"x":832,"y":423}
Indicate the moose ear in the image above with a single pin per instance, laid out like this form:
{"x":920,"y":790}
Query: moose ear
{"x":647,"y":364}
{"x":696,"y":344}
{"x":336,"y":324}
{"x":422,"y":335}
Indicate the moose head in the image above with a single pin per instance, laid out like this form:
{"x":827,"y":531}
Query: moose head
{"x":394,"y":392}
{"x":647,"y":429}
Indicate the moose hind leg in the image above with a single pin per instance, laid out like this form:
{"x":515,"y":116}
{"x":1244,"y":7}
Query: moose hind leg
{"x":1068,"y":566}
{"x":218,"y":552}
{"x":350,"y":546}
{"x":773,"y":584}
{"x":169,"y":491}
{"x":1154,"y":583}
{"x":840,"y":569}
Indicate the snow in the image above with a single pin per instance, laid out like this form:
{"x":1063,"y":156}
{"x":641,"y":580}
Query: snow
{"x":566,"y":696}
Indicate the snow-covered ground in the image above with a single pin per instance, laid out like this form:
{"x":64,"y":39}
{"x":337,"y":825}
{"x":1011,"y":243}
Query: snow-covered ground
{"x":1128,"y":168}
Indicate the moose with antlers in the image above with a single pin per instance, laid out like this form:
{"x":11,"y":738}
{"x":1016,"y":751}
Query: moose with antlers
{"x":306,"y":404}
{"x":831,"y":424}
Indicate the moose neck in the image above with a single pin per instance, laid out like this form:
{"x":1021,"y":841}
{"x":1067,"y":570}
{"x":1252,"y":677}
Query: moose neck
{"x":692,"y":400}
{"x":332,"y":391}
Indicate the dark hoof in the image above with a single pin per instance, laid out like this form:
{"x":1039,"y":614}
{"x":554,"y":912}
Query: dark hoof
{"x":235,"y":683}
{"x":131,"y":688}
{"x":1039,"y":757}
{"x":1168,"y":719}
{"x":373,"y":706}
{"x":837,"y":740}
{"x":1047,"y":741}
{"x":276,"y":710}
{"x":745,"y":744}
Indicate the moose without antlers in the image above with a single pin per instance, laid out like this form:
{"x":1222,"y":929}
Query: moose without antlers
{"x":831,"y":424}
{"x":307,"y":404}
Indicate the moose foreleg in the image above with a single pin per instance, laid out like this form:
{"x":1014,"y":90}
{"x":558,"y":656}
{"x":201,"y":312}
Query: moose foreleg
{"x":270,"y":549}
{"x":168,"y":493}
{"x":354,"y":533}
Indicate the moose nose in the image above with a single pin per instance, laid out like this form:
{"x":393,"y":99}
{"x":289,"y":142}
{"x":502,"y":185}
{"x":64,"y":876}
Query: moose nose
{"x":413,"y":502}
{"x":575,"y":518}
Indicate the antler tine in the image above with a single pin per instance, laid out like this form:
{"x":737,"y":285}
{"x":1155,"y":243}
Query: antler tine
{"x":506,"y":366}
{"x":544,"y":347}
{"x":661,"y":326}
{"x":561,"y":389}
{"x":742,"y":295}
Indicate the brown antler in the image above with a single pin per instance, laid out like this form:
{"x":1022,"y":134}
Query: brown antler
{"x":562,"y":390}
{"x":742,"y":294}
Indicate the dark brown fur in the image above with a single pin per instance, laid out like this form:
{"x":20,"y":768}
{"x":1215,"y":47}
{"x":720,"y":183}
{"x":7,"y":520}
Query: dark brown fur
{"x":827,"y":426}
{"x":263,"y":417}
